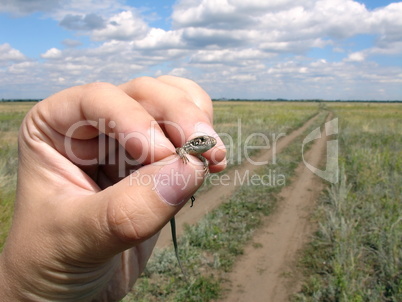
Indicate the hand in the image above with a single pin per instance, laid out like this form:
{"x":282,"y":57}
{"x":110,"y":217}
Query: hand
{"x":85,"y":224}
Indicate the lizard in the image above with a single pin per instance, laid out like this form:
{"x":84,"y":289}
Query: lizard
{"x":196,"y":146}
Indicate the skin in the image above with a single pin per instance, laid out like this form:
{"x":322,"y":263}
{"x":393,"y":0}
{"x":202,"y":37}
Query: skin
{"x":83,"y":231}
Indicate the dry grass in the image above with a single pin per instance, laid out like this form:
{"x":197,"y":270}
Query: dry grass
{"x":11,"y":115}
{"x":357,"y":253}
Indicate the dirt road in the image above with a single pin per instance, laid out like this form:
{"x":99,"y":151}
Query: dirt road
{"x":267,"y":273}
{"x":216,"y":195}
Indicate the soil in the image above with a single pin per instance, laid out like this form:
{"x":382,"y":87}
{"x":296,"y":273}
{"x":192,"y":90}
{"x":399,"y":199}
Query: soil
{"x":209,"y":200}
{"x":266,"y":272}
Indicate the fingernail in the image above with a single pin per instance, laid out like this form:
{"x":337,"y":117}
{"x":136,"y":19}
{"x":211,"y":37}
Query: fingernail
{"x":176,"y":182}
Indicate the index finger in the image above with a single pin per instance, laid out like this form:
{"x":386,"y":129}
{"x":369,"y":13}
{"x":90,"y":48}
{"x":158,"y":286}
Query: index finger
{"x":183,"y":109}
{"x":82,"y":112}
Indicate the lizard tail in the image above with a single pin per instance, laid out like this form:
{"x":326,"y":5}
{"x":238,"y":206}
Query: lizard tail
{"x":176,"y":249}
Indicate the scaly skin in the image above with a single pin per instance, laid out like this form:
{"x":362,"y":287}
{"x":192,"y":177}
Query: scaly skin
{"x":195,"y":146}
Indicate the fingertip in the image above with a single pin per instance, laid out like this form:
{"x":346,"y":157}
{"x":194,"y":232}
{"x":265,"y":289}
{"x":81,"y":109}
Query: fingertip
{"x":218,"y":167}
{"x":141,"y":204}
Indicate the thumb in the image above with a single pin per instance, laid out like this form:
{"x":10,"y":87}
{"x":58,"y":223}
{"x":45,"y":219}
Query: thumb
{"x":137,"y":207}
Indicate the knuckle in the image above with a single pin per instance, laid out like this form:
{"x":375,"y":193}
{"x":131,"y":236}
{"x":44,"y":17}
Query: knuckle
{"x":96,"y":86}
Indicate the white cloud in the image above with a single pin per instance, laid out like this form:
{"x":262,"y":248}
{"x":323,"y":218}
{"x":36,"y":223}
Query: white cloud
{"x":158,"y":38}
{"x":22,"y":68}
{"x":281,"y":25}
{"x":384,"y":47}
{"x":7,"y":53}
{"x":180,"y":72}
{"x":227,"y":55}
{"x":225,"y":45}
{"x":356,"y":57}
{"x":208,"y":13}
{"x":52,"y":53}
{"x":124,"y":26}
{"x":389,"y":16}
{"x":272,"y":5}
{"x":244,"y":77}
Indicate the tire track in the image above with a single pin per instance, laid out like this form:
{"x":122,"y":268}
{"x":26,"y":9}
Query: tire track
{"x":268,"y":273}
{"x":212,"y":198}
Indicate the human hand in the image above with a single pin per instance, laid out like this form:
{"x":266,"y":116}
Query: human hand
{"x":84,"y":226}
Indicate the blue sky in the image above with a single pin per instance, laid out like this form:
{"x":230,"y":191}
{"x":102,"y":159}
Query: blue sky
{"x":295,"y":49}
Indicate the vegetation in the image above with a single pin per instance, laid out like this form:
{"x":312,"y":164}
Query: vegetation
{"x":356,"y":254}
{"x":209,"y":248}
{"x":11,"y":116}
{"x":240,"y":118}
{"x":357,"y":251}
{"x":236,"y":122}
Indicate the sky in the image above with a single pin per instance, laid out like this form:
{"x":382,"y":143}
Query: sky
{"x":247,"y":49}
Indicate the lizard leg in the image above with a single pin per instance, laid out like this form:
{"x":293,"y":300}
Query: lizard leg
{"x":183,"y":155}
{"x":205,"y":162}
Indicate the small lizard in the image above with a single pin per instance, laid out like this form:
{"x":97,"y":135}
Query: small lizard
{"x":195,"y":146}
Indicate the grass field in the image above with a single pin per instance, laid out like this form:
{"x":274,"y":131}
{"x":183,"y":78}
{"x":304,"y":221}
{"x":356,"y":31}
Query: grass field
{"x":231,"y":118}
{"x":357,"y":252}
{"x":11,"y":116}
{"x":235,"y":121}
{"x":211,"y":246}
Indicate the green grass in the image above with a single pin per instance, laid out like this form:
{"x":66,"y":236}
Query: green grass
{"x":266,"y":118}
{"x":209,"y":248}
{"x":357,"y":253}
{"x":11,"y":116}
{"x":235,"y":122}
{"x":8,"y":180}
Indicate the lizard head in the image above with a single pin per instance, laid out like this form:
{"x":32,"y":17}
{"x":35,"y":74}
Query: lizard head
{"x":201,"y":144}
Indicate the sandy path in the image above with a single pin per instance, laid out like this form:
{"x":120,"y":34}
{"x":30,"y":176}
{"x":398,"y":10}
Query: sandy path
{"x":268,"y":273}
{"x":212,"y":198}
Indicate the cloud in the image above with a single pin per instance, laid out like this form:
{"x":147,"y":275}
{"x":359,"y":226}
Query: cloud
{"x":158,"y":38}
{"x":7,"y":54}
{"x":83,"y":22}
{"x":283,"y":25}
{"x":71,"y":42}
{"x":293,"y":79}
{"x":24,"y":7}
{"x":58,"y":9}
{"x":22,"y":68}
{"x":103,"y":20}
{"x":180,"y":72}
{"x":233,"y":48}
{"x":356,"y":57}
{"x":209,"y":14}
{"x":124,"y":26}
{"x":227,"y":55}
{"x":203,"y":37}
{"x":52,"y":53}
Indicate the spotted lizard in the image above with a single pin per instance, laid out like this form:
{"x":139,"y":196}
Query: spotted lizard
{"x":196,"y":146}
